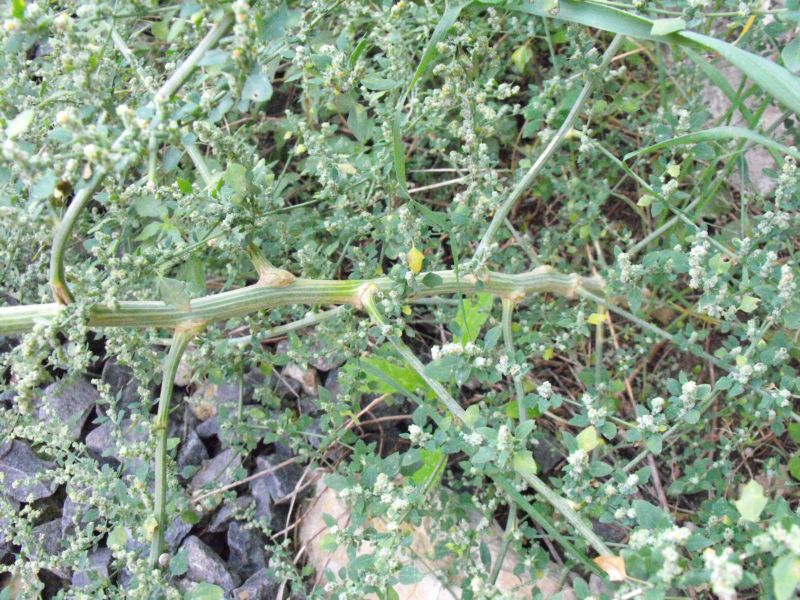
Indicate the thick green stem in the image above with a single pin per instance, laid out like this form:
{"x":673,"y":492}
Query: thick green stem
{"x":246,"y":300}
{"x":180,"y":340}
{"x":549,"y":150}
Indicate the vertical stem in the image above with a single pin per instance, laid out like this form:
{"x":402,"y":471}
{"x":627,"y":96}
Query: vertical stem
{"x":508,"y":341}
{"x":180,"y":340}
{"x":58,"y":283}
{"x":549,"y":149}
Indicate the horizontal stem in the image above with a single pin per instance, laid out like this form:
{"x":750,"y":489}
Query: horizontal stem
{"x":246,"y":300}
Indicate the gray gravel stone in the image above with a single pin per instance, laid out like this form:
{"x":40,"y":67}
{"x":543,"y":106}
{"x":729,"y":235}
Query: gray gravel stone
{"x":259,"y":586}
{"x":228,"y":512}
{"x":546,"y":455}
{"x":217,"y":471}
{"x":246,"y":547}
{"x":192,"y":452}
{"x":307,"y":378}
{"x":279,"y":483}
{"x":47,"y":544}
{"x":68,"y":402}
{"x":100,"y":440}
{"x":97,"y":569}
{"x":120,"y":379}
{"x":23,"y":472}
{"x":206,"y":565}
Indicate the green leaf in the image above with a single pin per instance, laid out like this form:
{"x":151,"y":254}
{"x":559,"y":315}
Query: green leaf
{"x":654,"y":443}
{"x":257,"y":88}
{"x":521,"y":57}
{"x":19,"y":124}
{"x":667,"y":26}
{"x":785,"y":576}
{"x":406,"y":377}
{"x":174,"y":293}
{"x":713,"y":135}
{"x":190,"y":517}
{"x":18,"y":8}
{"x":751,"y":502}
{"x":44,"y":186}
{"x":179,"y":564}
{"x":236,"y":177}
{"x":409,"y":574}
{"x":649,"y":516}
{"x":149,"y":206}
{"x":749,"y":304}
{"x":524,"y":463}
{"x":432,"y":467}
{"x":431,"y":280}
{"x":472,"y":315}
{"x":184,"y":185}
{"x":486,"y":555}
{"x":117,"y":537}
{"x":588,"y":439}
{"x":791,"y":55}
{"x":794,"y":466}
{"x":359,"y":123}
{"x":794,"y":432}
{"x":205,"y":591}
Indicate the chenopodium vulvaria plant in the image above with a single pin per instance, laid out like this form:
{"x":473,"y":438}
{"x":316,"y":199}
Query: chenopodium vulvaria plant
{"x":519,"y":226}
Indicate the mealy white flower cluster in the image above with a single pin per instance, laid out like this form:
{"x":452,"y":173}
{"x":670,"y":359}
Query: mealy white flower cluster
{"x":724,"y":573}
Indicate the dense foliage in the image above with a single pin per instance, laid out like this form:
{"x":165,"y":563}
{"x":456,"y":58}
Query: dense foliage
{"x":357,"y":140}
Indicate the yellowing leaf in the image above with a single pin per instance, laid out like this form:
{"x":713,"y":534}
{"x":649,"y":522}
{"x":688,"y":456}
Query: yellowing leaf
{"x":149,"y":527}
{"x":588,"y":439}
{"x":673,"y":170}
{"x":347,"y":169}
{"x":415,"y":259}
{"x":749,"y":304}
{"x":548,"y":353}
{"x":521,"y":57}
{"x":614,"y":567}
{"x":596,"y":318}
{"x":752,"y":501}
{"x":524,"y":463}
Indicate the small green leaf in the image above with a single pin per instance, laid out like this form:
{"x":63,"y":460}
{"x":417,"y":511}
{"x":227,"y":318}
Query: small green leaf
{"x":19,"y":124}
{"x":190,"y":517}
{"x":588,"y":439}
{"x":409,"y":575}
{"x":667,"y":26}
{"x":749,"y":304}
{"x":18,"y":8}
{"x":785,"y":576}
{"x":472,"y":315}
{"x":117,"y":537}
{"x":179,"y":564}
{"x":521,"y":57}
{"x":174,"y":293}
{"x":794,"y":432}
{"x":236,"y":177}
{"x":794,"y":466}
{"x":524,"y":463}
{"x":44,"y":186}
{"x":431,"y":463}
{"x":791,"y":55}
{"x":257,"y":88}
{"x":752,"y":501}
{"x":431,"y":280}
{"x":184,"y":185}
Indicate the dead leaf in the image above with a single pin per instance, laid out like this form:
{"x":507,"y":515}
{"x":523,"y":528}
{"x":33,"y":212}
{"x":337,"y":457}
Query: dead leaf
{"x":614,"y":566}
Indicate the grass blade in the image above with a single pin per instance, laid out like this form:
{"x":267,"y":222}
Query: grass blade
{"x":774,"y":79}
{"x":716,"y":134}
{"x":448,"y":19}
